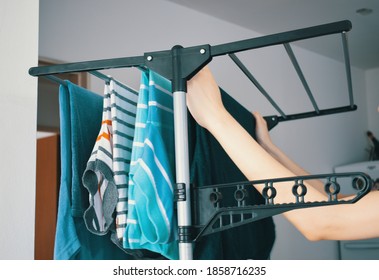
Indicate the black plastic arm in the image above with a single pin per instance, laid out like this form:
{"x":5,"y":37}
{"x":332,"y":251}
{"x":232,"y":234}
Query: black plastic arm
{"x":221,"y":215}
{"x":272,"y":121}
{"x":282,"y":38}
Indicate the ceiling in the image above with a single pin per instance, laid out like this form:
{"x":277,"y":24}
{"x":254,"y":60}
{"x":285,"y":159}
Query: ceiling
{"x":273,"y":16}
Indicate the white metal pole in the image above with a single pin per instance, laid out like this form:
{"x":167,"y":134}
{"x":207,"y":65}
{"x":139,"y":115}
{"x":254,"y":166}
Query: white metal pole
{"x":182,"y":172}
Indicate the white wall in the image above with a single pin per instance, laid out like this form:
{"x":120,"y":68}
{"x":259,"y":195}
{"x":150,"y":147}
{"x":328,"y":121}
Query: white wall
{"x":372,"y":82}
{"x":86,"y":30}
{"x":18,"y":110}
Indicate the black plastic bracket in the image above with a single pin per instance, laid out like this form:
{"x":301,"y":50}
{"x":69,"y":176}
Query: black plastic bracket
{"x":271,"y":121}
{"x":185,"y":234}
{"x":179,"y":64}
{"x":180,"y":192}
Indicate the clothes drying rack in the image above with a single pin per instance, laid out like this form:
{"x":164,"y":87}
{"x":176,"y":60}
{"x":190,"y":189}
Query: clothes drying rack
{"x":179,"y":65}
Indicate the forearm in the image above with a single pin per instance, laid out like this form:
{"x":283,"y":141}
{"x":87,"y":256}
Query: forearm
{"x":280,"y":156}
{"x":256,"y":163}
{"x":253,"y":161}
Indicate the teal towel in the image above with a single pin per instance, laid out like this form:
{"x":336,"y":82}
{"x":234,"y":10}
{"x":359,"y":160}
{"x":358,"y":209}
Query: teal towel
{"x":151,"y":222}
{"x":80,"y":119}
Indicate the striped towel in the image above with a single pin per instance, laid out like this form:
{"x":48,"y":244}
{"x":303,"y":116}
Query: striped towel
{"x":98,"y":176}
{"x":151,"y":220}
{"x":106,"y":176}
{"x":123,"y":111}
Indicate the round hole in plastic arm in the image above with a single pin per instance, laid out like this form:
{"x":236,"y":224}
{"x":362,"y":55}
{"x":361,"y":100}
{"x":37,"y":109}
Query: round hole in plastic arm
{"x":240,"y":194}
{"x":299,"y":187}
{"x":269,"y":193}
{"x":332,"y":188}
{"x":215,"y":196}
{"x":358,"y":183}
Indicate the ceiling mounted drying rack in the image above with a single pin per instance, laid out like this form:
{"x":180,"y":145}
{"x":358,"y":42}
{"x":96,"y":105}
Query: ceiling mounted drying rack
{"x":179,"y":65}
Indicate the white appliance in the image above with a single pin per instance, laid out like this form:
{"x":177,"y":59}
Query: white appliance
{"x":371,"y":168}
{"x":361,"y":249}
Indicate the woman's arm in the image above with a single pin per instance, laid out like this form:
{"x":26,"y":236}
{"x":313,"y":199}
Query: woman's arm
{"x":328,"y":222}
{"x":264,"y":139}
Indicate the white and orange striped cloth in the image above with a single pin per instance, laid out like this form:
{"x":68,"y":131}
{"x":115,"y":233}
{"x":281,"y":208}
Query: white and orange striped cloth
{"x":106,"y":175}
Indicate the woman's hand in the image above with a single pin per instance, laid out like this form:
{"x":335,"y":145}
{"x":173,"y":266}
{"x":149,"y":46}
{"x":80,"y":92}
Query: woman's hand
{"x":261,"y":132}
{"x":204,"y":99}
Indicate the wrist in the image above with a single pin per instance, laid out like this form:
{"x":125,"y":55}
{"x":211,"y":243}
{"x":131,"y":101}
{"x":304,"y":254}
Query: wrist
{"x":218,"y":121}
{"x":270,"y":148}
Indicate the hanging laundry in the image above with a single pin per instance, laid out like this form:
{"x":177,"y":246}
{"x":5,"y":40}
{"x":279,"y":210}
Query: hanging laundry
{"x":209,"y":162}
{"x":80,"y":121}
{"x":123,"y":111}
{"x":98,"y":176}
{"x":151,"y":220}
{"x":106,"y":175}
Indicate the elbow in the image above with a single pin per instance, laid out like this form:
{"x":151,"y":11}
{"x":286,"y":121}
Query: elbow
{"x":313,"y":236}
{"x":317,"y":230}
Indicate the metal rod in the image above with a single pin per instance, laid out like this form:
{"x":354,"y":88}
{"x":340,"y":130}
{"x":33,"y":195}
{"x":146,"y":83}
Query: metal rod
{"x":86,"y":66}
{"x":281,"y":38}
{"x":107,"y":79}
{"x":182,"y":170}
{"x":101,"y":76}
{"x":347,"y":67}
{"x":256,"y":83}
{"x":56,"y":80}
{"x":301,"y":75}
{"x":320,"y":113}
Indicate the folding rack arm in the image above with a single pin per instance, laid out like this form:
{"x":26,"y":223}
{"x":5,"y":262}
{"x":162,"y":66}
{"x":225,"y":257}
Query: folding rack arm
{"x":301,"y":75}
{"x":183,"y":63}
{"x":86,"y":66}
{"x":282,"y":38}
{"x":222,"y":215}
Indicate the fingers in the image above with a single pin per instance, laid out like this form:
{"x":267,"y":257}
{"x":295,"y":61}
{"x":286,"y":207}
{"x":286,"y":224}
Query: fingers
{"x":259,"y":118}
